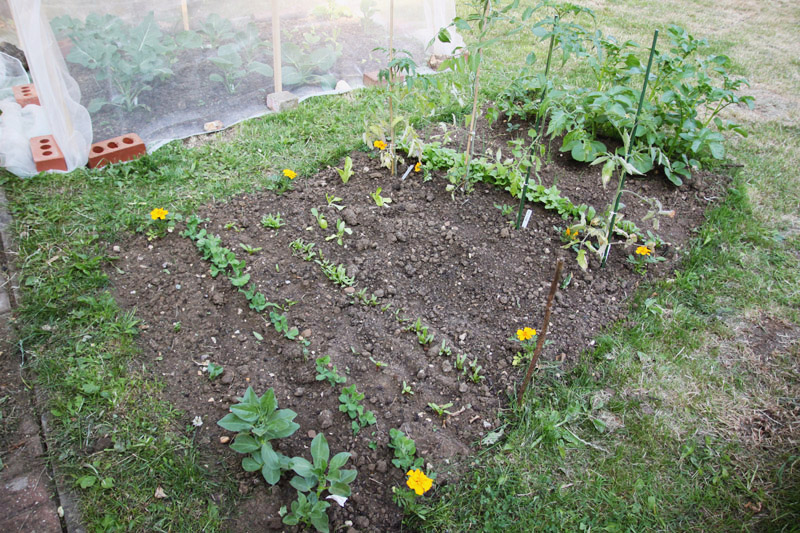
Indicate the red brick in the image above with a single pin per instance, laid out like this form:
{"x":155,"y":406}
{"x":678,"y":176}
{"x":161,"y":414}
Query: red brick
{"x":46,"y":154}
{"x":26,"y":94}
{"x":116,"y":150}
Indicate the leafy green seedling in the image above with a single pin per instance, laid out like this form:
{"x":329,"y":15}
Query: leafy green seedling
{"x":214,"y":371}
{"x":257,"y":421}
{"x":332,"y":199}
{"x":441,"y":410}
{"x":444,"y":349}
{"x":404,"y":451}
{"x":347,"y":172}
{"x":272,"y":221}
{"x":378,"y":364}
{"x":322,"y":473}
{"x":350,"y":403}
{"x":380,"y":201}
{"x":505,"y":209}
{"x":336,"y":273}
{"x":341,"y":229}
{"x":250,"y":249}
{"x":406,"y":389}
{"x":320,"y":218}
{"x":176,"y":326}
{"x":476,"y":376}
{"x":304,"y":249}
{"x":461,"y":358}
{"x":328,"y":371}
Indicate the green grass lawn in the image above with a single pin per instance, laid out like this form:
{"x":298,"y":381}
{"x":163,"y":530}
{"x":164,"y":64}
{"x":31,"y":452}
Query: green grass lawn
{"x":685,"y":381}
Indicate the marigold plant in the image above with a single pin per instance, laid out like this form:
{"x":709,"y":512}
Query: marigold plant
{"x":643,"y":250}
{"x":380,"y":145}
{"x":525,"y":334}
{"x":289,"y":173}
{"x":158,"y":213}
{"x":418,"y":482}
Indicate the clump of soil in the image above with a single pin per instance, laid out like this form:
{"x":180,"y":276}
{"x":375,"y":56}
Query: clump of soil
{"x":455,"y":263}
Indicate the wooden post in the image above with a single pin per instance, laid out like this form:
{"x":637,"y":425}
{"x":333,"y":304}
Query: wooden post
{"x":276,"y":46}
{"x":185,"y":13}
{"x":543,"y":333}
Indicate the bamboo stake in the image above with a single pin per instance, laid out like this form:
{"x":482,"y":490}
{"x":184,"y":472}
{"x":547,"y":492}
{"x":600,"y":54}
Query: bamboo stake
{"x":543,"y":332}
{"x":628,"y":152}
{"x":276,"y":47}
{"x":539,"y":120}
{"x":391,"y":88}
{"x":471,"y":133}
{"x":185,"y":15}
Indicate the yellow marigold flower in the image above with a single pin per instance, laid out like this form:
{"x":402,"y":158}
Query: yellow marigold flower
{"x":643,"y":250}
{"x":380,"y":145}
{"x":418,"y":166}
{"x":291,"y":174}
{"x":526,"y":333}
{"x":418,"y":482}
{"x":158,"y":213}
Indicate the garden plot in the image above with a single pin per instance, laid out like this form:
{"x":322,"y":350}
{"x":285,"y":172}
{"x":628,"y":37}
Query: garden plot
{"x":421,"y":317}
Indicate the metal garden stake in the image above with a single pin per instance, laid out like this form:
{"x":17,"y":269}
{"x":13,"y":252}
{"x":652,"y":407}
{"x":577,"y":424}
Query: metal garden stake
{"x":628,"y":151}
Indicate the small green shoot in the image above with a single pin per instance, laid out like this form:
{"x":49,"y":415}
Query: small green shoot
{"x":328,"y":371}
{"x":341,"y":229}
{"x":250,"y":249}
{"x":378,"y":364}
{"x":350,"y":403}
{"x":272,"y":221}
{"x":347,"y":172}
{"x":406,"y":389}
{"x":441,"y":410}
{"x":214,"y":371}
{"x":323,"y":224}
{"x":332,"y":199}
{"x":379,"y":200}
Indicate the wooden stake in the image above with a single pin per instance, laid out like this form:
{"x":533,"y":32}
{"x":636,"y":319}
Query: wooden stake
{"x":542,"y":332}
{"x":185,"y":13}
{"x":392,"y":148}
{"x":276,"y":47}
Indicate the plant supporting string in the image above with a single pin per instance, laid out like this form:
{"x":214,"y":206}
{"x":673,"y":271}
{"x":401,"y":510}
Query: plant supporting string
{"x":539,"y":119}
{"x":543,"y":333}
{"x":631,"y":140}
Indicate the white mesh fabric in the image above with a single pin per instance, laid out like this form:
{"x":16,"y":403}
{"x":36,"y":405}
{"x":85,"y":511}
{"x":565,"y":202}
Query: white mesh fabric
{"x":163,"y":69}
{"x":58,"y":93}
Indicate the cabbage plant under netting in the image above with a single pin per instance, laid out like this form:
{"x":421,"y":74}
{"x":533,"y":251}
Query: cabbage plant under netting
{"x":165,"y":70}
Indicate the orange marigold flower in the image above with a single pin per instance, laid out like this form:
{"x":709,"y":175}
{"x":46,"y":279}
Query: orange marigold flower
{"x":380,"y":145}
{"x":643,"y":250}
{"x":418,"y":166}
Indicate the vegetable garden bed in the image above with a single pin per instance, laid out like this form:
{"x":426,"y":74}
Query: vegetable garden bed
{"x":421,"y":318}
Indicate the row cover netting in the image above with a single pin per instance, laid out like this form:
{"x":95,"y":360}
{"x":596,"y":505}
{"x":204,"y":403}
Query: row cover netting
{"x":165,"y":69}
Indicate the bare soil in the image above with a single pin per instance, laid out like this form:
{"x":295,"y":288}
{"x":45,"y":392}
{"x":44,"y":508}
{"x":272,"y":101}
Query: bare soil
{"x":457,"y":264}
